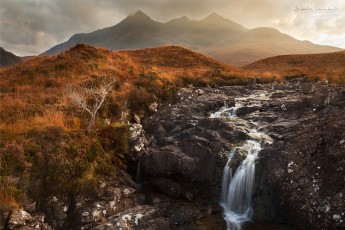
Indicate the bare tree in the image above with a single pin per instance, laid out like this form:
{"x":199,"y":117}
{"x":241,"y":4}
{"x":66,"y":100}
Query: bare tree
{"x":90,"y":98}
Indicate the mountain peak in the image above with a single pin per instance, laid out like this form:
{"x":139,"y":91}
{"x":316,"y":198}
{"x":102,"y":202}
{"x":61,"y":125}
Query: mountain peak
{"x":217,"y":21}
{"x":214,"y":16}
{"x":140,"y":15}
{"x":138,"y":18}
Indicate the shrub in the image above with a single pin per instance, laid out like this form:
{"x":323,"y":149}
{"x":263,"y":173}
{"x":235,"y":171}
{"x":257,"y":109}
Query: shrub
{"x":115,"y":138}
{"x":139,"y":100}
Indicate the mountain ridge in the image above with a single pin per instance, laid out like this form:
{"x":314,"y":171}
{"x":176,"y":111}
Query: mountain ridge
{"x":213,"y":36}
{"x":7,"y":58}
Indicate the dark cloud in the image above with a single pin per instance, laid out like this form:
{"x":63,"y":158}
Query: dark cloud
{"x":33,"y":26}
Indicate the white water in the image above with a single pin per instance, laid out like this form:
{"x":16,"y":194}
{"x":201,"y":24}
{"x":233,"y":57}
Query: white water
{"x":226,"y":112}
{"x":236,"y":194}
{"x":236,"y":197}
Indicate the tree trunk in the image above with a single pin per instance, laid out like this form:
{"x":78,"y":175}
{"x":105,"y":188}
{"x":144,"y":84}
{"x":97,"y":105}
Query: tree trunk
{"x":91,"y":123}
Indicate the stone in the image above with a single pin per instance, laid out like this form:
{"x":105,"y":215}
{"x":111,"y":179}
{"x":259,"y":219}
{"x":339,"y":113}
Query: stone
{"x":167,"y":186}
{"x":20,"y":218}
{"x":138,"y":142}
{"x":137,"y":118}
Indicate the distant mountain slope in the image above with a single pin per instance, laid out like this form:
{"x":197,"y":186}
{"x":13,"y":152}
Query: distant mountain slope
{"x":324,"y":65}
{"x":214,"y":36}
{"x":8,"y":58}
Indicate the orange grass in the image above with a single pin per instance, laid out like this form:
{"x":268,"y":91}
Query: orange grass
{"x":32,"y":93}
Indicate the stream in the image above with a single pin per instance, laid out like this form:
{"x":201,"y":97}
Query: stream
{"x":237,"y":182}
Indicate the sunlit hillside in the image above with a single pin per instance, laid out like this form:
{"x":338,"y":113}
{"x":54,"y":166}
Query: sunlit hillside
{"x":328,"y":66}
{"x":33,"y":92}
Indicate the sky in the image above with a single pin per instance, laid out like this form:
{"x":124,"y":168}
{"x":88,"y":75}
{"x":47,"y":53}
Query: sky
{"x":30,"y":27}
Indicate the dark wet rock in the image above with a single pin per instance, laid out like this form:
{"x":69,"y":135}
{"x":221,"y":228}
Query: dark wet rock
{"x":245,"y":110}
{"x":180,"y":214}
{"x":306,"y":122}
{"x":187,"y":145}
{"x":309,"y":88}
{"x":158,"y":224}
{"x":167,"y":186}
{"x":300,"y":176}
{"x":236,"y":160}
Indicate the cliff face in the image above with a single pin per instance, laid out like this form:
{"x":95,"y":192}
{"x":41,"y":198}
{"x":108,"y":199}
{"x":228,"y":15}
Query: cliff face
{"x":299,"y":177}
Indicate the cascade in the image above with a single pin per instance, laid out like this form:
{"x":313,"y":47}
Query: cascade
{"x":237,"y":186}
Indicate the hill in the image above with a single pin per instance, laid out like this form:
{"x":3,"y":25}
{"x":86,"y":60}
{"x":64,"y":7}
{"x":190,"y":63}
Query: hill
{"x":328,"y":66}
{"x":214,"y":36}
{"x":8,"y":58}
{"x":45,"y":148}
{"x":38,"y":83}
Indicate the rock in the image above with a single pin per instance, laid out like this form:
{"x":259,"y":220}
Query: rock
{"x":180,"y":215}
{"x":124,"y":116}
{"x":199,"y":92}
{"x":167,"y":186}
{"x":137,"y":118}
{"x":293,"y":185}
{"x":154,"y":107}
{"x":309,"y":88}
{"x":245,"y":110}
{"x":138,"y":217}
{"x":20,"y":218}
{"x":236,"y":160}
{"x":158,"y":224}
{"x":189,"y":149}
{"x":138,"y":142}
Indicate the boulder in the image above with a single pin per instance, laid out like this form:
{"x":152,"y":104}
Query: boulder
{"x":167,"y":186}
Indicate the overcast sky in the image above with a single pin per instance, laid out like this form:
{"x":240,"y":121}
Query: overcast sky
{"x":30,"y":27}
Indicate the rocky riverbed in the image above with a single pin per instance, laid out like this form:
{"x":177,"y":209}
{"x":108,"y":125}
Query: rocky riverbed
{"x":299,"y":177}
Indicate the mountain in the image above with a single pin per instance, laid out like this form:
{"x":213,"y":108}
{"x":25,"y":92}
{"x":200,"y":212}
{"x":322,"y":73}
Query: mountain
{"x":323,"y":66}
{"x":8,"y":58}
{"x":214,"y":36}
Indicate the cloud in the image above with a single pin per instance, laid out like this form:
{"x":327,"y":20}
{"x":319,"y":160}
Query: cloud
{"x":33,"y":26}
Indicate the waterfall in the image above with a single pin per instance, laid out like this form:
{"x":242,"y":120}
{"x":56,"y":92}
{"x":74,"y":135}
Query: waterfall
{"x":226,"y":112}
{"x":236,"y":196}
{"x":237,"y":187}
